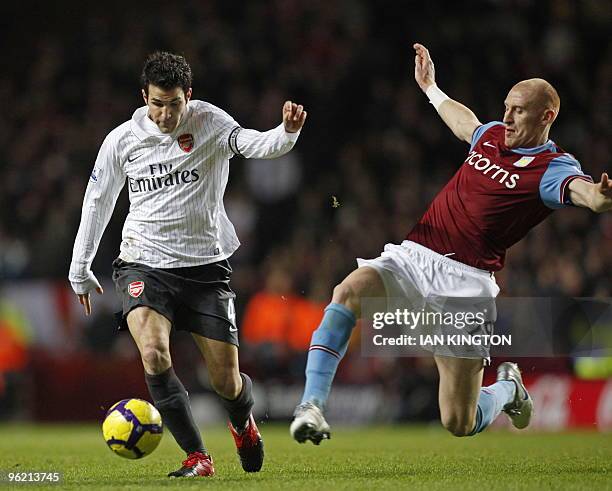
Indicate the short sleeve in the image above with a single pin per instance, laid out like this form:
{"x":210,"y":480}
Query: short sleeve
{"x":554,"y":184}
{"x":478,"y":132}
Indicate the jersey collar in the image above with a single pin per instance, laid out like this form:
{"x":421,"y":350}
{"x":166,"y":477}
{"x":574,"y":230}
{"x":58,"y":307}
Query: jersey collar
{"x":142,"y":126}
{"x":549,"y":146}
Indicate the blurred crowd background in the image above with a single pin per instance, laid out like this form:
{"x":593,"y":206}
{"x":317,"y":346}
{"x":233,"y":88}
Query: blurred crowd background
{"x":371,"y":157}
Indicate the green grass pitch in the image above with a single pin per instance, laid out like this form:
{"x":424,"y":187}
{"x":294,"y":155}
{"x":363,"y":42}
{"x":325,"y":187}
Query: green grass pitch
{"x":389,"y":457}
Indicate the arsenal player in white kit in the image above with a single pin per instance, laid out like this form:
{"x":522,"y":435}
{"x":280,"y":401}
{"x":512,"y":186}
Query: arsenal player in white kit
{"x":173,"y":270}
{"x":513,"y":177}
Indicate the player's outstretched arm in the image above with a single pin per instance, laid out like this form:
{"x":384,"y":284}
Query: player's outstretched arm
{"x":460,"y":119}
{"x":595,"y":196}
{"x":272,"y":143}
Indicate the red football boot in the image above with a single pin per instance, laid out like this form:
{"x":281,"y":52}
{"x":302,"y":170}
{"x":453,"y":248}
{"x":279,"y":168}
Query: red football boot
{"x":249,"y":445}
{"x":197,"y":464}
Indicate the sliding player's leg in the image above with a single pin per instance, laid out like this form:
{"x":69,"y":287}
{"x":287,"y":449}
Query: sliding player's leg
{"x":466,"y":408}
{"x":328,"y":346}
{"x":460,"y":382}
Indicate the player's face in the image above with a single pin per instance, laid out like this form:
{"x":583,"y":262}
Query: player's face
{"x":523,"y":118}
{"x":166,"y":107}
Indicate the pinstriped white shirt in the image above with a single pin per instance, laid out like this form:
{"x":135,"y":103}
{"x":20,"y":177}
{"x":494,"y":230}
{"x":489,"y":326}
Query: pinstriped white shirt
{"x":176,"y":184}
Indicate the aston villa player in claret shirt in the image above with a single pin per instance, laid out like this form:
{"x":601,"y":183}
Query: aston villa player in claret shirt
{"x":512,"y":178}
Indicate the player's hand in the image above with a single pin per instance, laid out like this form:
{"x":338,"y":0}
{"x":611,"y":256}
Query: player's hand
{"x":83,"y":289}
{"x":293,"y":116}
{"x":424,"y":72}
{"x":603,"y":194}
{"x":85,"y":300}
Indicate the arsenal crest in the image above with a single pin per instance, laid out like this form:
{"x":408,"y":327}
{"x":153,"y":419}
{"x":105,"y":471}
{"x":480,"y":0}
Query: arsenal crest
{"x":135,"y":288}
{"x":185,"y":141}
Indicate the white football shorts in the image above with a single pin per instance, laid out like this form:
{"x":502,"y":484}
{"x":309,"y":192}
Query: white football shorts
{"x":418,"y":278}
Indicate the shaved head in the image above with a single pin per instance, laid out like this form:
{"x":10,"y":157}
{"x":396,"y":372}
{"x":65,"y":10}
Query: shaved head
{"x":540,"y":92}
{"x":531,"y":108}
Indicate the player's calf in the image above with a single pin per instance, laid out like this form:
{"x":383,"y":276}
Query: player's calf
{"x":239,"y":407}
{"x":227,"y":384}
{"x":508,"y":394}
{"x":172,"y":401}
{"x":327,"y":347}
{"x":460,"y":383}
{"x":247,"y":438}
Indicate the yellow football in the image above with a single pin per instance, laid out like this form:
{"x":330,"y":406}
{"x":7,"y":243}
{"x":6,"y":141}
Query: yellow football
{"x":132,"y":428}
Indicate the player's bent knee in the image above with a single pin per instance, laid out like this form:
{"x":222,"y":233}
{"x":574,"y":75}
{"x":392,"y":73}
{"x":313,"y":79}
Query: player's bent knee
{"x":155,"y":358}
{"x":363,"y":282}
{"x":458,"y":426}
{"x":345,"y":294}
{"x":460,"y":431}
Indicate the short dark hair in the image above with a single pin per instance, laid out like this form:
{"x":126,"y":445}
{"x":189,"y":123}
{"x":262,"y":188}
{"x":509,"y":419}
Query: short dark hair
{"x":166,"y":71}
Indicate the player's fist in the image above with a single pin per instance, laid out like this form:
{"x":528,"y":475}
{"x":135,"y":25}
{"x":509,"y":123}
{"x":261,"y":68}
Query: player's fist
{"x":424,"y":72}
{"x":294,"y":116}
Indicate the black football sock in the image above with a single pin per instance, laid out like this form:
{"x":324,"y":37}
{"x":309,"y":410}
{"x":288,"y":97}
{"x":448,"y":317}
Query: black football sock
{"x":239,"y":409}
{"x":171,"y":400}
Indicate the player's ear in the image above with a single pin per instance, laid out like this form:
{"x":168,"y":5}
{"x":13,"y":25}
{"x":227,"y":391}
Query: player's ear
{"x":188,"y":95}
{"x":144,"y":96}
{"x":549,"y":116}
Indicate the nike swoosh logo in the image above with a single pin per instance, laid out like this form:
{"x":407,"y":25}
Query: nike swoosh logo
{"x":487,"y":144}
{"x":233,"y":329}
{"x":134,"y":158}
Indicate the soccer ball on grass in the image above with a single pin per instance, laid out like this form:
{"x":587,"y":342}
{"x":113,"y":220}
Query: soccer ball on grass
{"x":132,"y":428}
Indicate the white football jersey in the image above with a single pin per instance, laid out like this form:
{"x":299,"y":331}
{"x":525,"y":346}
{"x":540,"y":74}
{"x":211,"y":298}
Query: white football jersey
{"x":176,"y":184}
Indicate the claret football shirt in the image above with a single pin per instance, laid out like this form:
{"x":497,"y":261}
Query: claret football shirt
{"x":497,"y":196}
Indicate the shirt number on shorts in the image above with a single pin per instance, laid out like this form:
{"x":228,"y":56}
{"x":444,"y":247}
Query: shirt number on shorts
{"x":231,"y":314}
